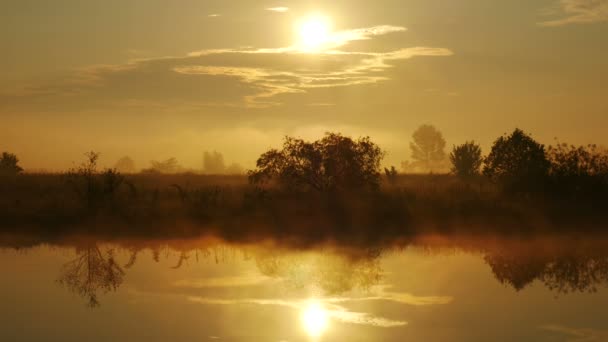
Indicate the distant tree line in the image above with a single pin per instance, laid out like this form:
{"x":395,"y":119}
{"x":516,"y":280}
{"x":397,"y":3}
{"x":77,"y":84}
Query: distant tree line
{"x":516,"y":163}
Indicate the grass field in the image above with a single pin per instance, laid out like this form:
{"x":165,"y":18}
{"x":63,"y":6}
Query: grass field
{"x":189,"y":205}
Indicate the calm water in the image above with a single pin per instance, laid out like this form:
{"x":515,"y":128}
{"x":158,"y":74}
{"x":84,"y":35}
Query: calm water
{"x":427,"y":289}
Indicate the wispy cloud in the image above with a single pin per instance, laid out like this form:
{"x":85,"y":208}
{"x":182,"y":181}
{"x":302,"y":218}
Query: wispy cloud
{"x":246,"y":77}
{"x":577,"y":12}
{"x":578,"y":334}
{"x":214,"y":15}
{"x":350,"y":68}
{"x":278,"y":9}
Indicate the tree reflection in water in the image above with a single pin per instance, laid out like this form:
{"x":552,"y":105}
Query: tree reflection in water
{"x":329,"y":272}
{"x":90,"y":272}
{"x":561,"y":273}
{"x":561,"y":264}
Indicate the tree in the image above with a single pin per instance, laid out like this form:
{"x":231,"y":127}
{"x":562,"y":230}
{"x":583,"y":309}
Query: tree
{"x":125,"y":165}
{"x":335,"y":162}
{"x":9,"y":164}
{"x":466,"y":160}
{"x":213,"y":163}
{"x":428,"y":148}
{"x":167,"y":166}
{"x":517,"y":162}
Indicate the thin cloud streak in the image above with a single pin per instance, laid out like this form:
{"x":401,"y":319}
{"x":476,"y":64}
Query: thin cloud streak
{"x":577,"y":12}
{"x":333,"y":311}
{"x":274,"y":82}
{"x":278,"y":9}
{"x":578,"y":334}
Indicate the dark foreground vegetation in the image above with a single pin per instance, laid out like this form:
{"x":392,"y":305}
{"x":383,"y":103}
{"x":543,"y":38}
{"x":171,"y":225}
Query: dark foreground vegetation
{"x":330,"y":189}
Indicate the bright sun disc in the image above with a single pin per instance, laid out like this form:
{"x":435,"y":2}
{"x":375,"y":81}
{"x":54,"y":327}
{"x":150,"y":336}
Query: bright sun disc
{"x":314,"y":32}
{"x":314,"y":319}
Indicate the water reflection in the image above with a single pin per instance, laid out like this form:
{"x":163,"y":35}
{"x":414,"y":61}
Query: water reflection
{"x":562,"y":264}
{"x":90,"y":272}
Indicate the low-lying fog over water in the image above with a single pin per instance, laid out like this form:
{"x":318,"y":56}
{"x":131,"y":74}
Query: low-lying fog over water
{"x":428,"y":288}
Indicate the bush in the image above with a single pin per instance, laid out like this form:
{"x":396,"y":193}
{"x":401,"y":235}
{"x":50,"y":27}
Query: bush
{"x":466,"y":160}
{"x":518,"y":163}
{"x":9,"y":164}
{"x":94,"y":188}
{"x":332,"y":163}
{"x":582,"y":169}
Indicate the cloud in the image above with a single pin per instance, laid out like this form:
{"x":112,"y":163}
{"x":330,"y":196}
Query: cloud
{"x":278,"y":9}
{"x":338,"y":312}
{"x":311,"y":70}
{"x":333,"y":311}
{"x":238,"y":78}
{"x":577,"y":12}
{"x":214,"y":15}
{"x":578,"y":334}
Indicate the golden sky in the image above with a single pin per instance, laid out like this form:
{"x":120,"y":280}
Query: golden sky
{"x":157,"y":79}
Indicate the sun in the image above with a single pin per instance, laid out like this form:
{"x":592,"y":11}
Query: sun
{"x":314,"y":32}
{"x":314,"y":319}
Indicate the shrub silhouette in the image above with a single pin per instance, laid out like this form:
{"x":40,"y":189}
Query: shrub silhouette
{"x":9,"y":164}
{"x":517,"y":162}
{"x":428,"y":148}
{"x":391,"y":175}
{"x":575,"y":170}
{"x":466,"y":160}
{"x":94,"y":187}
{"x":335,"y":162}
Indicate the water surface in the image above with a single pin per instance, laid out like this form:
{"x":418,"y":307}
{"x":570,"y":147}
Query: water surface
{"x":423,"y":289}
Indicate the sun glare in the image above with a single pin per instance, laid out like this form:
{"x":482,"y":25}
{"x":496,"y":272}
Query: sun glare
{"x":314,"y":319}
{"x":314,"y":32}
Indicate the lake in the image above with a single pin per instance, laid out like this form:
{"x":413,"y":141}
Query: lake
{"x":424,"y":288}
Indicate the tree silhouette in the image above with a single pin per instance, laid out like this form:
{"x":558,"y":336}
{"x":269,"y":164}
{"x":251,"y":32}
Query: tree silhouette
{"x":335,"y":162}
{"x":517,"y":162}
{"x":428,"y":148}
{"x":9,"y":164}
{"x":125,"y":165}
{"x":578,"y":170}
{"x":466,"y":160}
{"x":213,"y":163}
